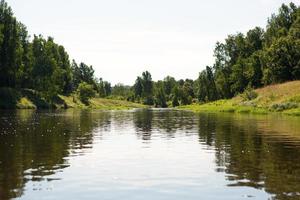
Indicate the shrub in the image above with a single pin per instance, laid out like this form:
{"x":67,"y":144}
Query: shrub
{"x":175,"y":101}
{"x":86,"y":92}
{"x":284,"y":106}
{"x":249,"y":94}
{"x":148,"y":101}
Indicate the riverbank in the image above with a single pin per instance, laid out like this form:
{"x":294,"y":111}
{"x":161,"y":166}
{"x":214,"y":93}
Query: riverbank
{"x":280,"y":98}
{"x":29,"y":99}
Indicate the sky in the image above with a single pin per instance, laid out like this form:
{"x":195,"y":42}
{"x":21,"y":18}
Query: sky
{"x":123,"y":38}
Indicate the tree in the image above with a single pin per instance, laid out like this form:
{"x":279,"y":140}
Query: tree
{"x":169,"y":83}
{"x":107,"y":88}
{"x":138,"y":87}
{"x":254,"y":73}
{"x":10,"y":51}
{"x":24,"y":75}
{"x":160,"y":98}
{"x":282,"y":61}
{"x":122,"y":91}
{"x":143,"y":88}
{"x":82,"y":73}
{"x":222,"y":71}
{"x":175,"y":98}
{"x":279,"y":25}
{"x":104,"y":88}
{"x":147,"y":84}
{"x":86,"y":92}
{"x":65,"y":66}
{"x":206,"y":86}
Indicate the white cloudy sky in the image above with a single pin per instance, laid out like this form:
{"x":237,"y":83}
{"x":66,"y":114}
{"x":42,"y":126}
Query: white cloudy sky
{"x":123,"y":38}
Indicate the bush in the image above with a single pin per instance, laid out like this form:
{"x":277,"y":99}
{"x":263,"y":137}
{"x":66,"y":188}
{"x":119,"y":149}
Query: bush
{"x":86,"y":92}
{"x":186,"y":100}
{"x":148,"y":101}
{"x":284,"y":106}
{"x":175,"y":101}
{"x":249,"y":94}
{"x":160,"y":99}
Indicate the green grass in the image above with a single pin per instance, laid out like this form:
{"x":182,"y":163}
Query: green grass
{"x":99,"y":103}
{"x":281,"y":98}
{"x":224,"y":106}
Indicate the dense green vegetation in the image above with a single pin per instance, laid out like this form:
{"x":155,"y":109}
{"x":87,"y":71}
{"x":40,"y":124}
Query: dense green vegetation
{"x":42,"y":68}
{"x":40,"y":65}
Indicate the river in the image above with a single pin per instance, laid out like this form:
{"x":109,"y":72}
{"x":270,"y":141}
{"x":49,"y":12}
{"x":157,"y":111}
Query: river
{"x":148,"y":154}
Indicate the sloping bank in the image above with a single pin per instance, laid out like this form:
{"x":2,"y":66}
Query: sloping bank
{"x":281,"y":98}
{"x":29,"y":99}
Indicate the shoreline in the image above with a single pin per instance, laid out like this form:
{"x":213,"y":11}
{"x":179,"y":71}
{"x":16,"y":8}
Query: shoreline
{"x":206,"y":108}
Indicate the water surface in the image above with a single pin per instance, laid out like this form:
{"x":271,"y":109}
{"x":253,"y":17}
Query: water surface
{"x":148,"y":154}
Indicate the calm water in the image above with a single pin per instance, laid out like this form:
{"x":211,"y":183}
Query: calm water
{"x":148,"y":155}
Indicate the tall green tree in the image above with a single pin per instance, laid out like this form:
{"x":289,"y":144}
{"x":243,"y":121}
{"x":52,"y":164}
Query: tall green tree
{"x":9,"y":46}
{"x":160,"y":98}
{"x":138,"y":87}
{"x":82,"y":73}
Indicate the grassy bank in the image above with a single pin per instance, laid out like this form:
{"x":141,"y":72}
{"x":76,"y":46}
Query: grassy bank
{"x":29,"y":99}
{"x":281,"y":98}
{"x":100,"y":103}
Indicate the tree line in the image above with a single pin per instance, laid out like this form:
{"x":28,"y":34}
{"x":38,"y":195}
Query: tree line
{"x":40,"y":64}
{"x":257,"y":58}
{"x":243,"y":61}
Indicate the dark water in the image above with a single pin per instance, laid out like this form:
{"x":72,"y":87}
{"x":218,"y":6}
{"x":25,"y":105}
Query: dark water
{"x":149,"y":155}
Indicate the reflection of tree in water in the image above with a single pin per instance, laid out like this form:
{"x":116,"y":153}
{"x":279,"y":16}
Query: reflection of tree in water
{"x":34,"y":145}
{"x":143,"y":123}
{"x":250,"y":154}
{"x":173,"y":121}
{"x":164,"y":121}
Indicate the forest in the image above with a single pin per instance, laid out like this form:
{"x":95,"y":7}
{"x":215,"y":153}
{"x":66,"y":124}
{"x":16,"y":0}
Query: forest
{"x":243,"y":61}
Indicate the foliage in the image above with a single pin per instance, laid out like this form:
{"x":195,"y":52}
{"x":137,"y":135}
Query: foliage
{"x":175,"y":98}
{"x":143,"y":88}
{"x":82,"y":73}
{"x":284,"y":106}
{"x":123,"y":92}
{"x":160,"y":98}
{"x":206,"y":86}
{"x":86,"y":92}
{"x":249,"y":94}
{"x":104,"y":88}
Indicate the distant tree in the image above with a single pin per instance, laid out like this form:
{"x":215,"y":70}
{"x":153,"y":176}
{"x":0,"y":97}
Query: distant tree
{"x":107,"y":88}
{"x":175,"y":98}
{"x":143,"y":88}
{"x":169,"y":83}
{"x":138,"y":87}
{"x":122,"y":91}
{"x":86,"y":92}
{"x":188,"y":87}
{"x":160,"y":98}
{"x":83,"y":73}
{"x":147,"y":84}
